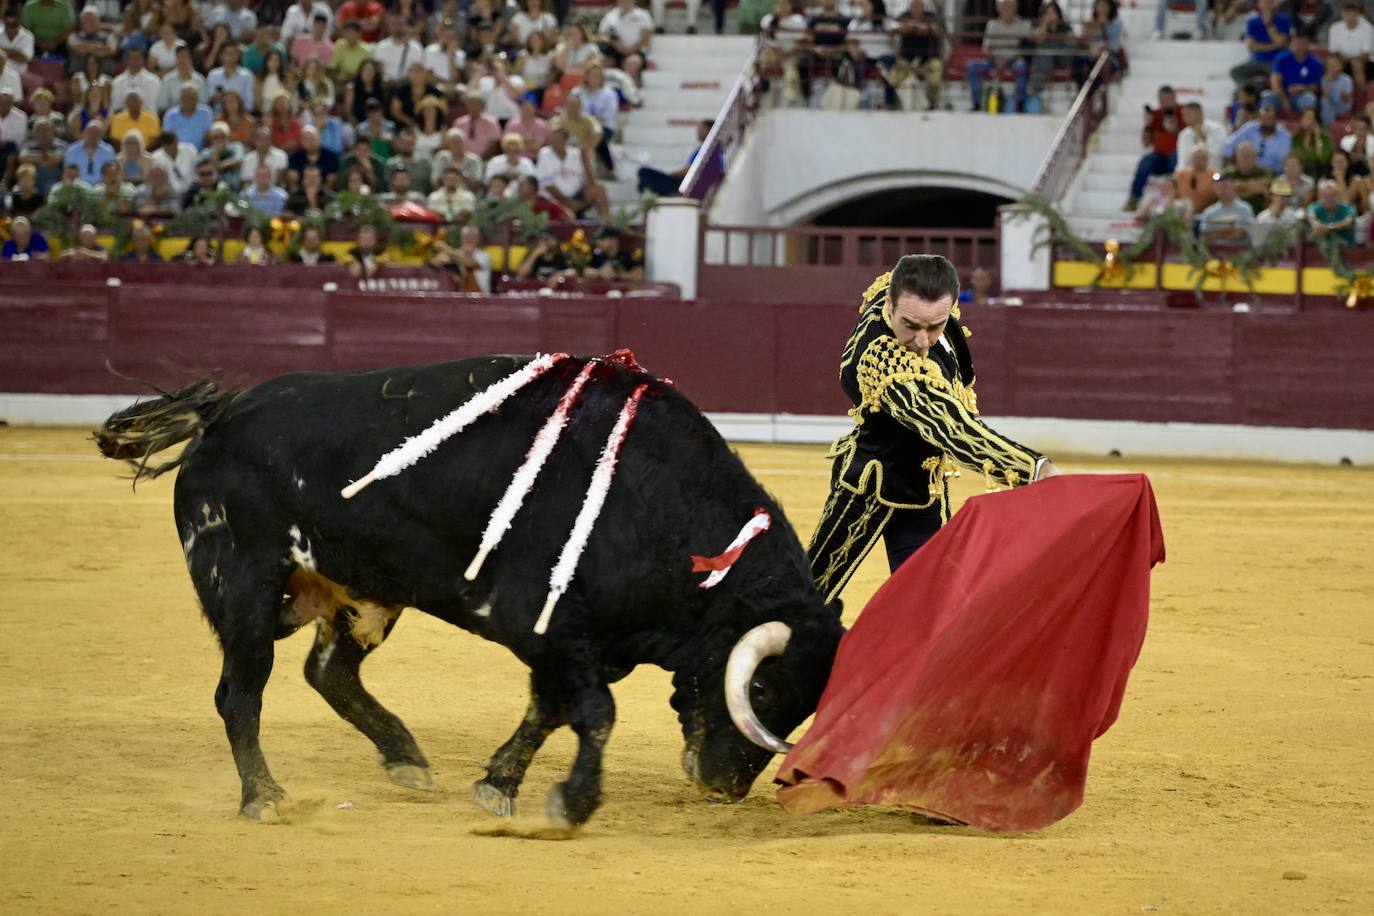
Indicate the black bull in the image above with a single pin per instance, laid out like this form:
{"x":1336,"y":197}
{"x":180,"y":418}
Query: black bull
{"x":270,"y":544}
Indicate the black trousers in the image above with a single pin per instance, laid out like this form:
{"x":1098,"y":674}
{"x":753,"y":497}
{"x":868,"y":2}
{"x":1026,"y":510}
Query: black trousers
{"x":907,"y":530}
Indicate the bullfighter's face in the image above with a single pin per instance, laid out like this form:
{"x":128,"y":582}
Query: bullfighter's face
{"x":918,"y":323}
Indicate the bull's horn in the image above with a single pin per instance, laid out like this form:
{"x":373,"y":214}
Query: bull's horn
{"x":759,"y":643}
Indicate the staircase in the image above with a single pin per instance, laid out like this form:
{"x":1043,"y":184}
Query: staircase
{"x":1198,"y":71}
{"x":690,"y":78}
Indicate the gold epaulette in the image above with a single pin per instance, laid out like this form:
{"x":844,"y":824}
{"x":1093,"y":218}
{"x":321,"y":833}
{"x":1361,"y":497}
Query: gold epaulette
{"x":874,"y":288}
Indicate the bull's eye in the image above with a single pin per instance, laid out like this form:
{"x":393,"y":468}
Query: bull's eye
{"x":761,"y":695}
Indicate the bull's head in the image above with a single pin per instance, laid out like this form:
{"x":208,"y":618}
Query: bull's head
{"x":773,"y":680}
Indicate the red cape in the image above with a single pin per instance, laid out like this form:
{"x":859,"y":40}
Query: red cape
{"x":974,"y":682}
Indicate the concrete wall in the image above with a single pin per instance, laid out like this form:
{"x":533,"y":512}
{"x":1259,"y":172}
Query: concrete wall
{"x":796,"y":163}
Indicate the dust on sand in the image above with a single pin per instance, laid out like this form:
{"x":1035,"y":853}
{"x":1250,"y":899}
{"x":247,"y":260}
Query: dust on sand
{"x":1241,"y":759}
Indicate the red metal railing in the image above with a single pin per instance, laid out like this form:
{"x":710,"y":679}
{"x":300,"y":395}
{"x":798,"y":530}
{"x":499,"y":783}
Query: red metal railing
{"x":727,"y":133}
{"x":1070,"y":145}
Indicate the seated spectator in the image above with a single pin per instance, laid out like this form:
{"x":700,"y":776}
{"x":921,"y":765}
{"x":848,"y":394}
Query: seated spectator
{"x":610,"y":262}
{"x":584,"y":131}
{"x":10,"y":80}
{"x":452,"y":200}
{"x":330,"y":127}
{"x":41,"y":109}
{"x":263,"y":194}
{"x":1266,"y":35}
{"x":354,"y":182}
{"x":534,"y":65}
{"x":444,"y":59}
{"x":400,"y":191}
{"x":1243,"y":108}
{"x":311,"y":199}
{"x":183,"y":74}
{"x":627,"y":30}
{"x":157,"y":196}
{"x":92,"y":154}
{"x":455,"y":154}
{"x":141,"y":249}
{"x":162,"y":54}
{"x":416,"y":90}
{"x":1296,"y":79}
{"x":1279,"y":212}
{"x":397,"y":50}
{"x":468,"y":261}
{"x":1004,"y":58}
{"x":1199,"y":131}
{"x":533,"y":19}
{"x":600,"y":102}
{"x":224,"y":155}
{"x":92,"y":108}
{"x":350,"y":52}
{"x":366,"y":89}
{"x":502,"y":90}
{"x":310,"y":251}
{"x":544,"y":260}
{"x":403,"y":156}
{"x":50,"y":22}
{"x":1230,"y":19}
{"x":300,"y":19}
{"x":370,"y":167}
{"x":312,"y":43}
{"x":1331,"y":216}
{"x":263,"y":153}
{"x":190,"y":120}
{"x":1163,"y":196}
{"x":1302,"y":188}
{"x":826,"y":31}
{"x":1228,"y":221}
{"x":87,"y":247}
{"x":282,"y":123}
{"x":134,"y":162}
{"x":71,"y":181}
{"x":575,"y":51}
{"x":25,"y":197}
{"x":16,"y":42}
{"x":199,"y":253}
{"x":136,"y":116}
{"x":1359,"y":142}
{"x":1311,"y":144}
{"x":979,"y":291}
{"x":91,"y":40}
{"x":240,"y":123}
{"x":564,"y":175}
{"x":228,"y":77}
{"x":1351,"y":42}
{"x":512,"y":162}
{"x":134,"y":79}
{"x":241,"y":21}
{"x":429,"y":128}
{"x":1350,"y":187}
{"x":1270,"y":139}
{"x":43,"y":153}
{"x":276,"y":79}
{"x":255,"y":252}
{"x":315,"y":84}
{"x":1202,"y":11}
{"x":480,"y":129}
{"x":666,"y":184}
{"x":526,"y":191}
{"x":14,"y":128}
{"x":313,"y":153}
{"x":365,"y":259}
{"x":1052,"y":43}
{"x":367,"y":16}
{"x":1160,"y":134}
{"x":1337,"y":91}
{"x":25,"y":242}
{"x":377,"y":129}
{"x":920,"y":40}
{"x":1250,"y":180}
{"x":1194,"y":180}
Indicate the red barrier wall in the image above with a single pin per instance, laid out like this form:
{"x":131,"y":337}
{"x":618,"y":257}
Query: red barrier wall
{"x":1092,"y":363}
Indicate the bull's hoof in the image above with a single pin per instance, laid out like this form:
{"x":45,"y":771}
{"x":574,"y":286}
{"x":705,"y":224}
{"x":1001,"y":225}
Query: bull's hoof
{"x":410,"y":776}
{"x":492,"y":799}
{"x":556,"y":810}
{"x":264,"y":810}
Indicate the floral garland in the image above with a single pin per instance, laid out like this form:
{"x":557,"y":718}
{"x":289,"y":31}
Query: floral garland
{"x":1243,"y":266}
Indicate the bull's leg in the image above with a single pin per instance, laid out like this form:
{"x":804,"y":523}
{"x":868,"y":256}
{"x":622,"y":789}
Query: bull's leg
{"x":590,"y":710}
{"x":332,"y":668}
{"x":506,"y":768}
{"x":244,"y":616}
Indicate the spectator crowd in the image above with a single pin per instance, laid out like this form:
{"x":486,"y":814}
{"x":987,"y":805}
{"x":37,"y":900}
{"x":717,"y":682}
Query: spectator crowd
{"x":1293,"y":148}
{"x":146,"y":104}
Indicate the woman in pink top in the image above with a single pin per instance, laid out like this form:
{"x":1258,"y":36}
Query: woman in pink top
{"x":531,"y":128}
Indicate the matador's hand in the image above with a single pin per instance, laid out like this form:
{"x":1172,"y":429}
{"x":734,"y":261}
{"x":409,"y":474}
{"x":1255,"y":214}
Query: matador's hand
{"x":1047,"y":470}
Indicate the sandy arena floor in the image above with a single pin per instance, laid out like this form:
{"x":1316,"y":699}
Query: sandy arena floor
{"x":1238,"y":778}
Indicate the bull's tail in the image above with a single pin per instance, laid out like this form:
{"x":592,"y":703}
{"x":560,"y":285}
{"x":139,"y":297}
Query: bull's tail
{"x":145,"y":428}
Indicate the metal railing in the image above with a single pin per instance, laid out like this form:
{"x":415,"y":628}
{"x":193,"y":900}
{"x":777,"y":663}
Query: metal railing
{"x":1070,"y":146}
{"x":727,"y":133}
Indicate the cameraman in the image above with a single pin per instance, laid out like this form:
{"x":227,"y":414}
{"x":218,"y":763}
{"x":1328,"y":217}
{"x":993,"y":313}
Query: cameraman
{"x":1160,"y":134}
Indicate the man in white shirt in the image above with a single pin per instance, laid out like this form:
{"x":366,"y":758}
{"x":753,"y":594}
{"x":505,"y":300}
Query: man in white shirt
{"x":263,"y":153}
{"x":242,"y":22}
{"x":299,"y":17}
{"x":397,"y":50}
{"x":10,"y":81}
{"x":16,"y":42}
{"x":1352,"y":39}
{"x":1200,"y":132}
{"x":562,"y":174}
{"x":183,"y":74}
{"x":178,"y":159}
{"x":445,"y":58}
{"x":625,"y":30}
{"x":452,"y":201}
{"x":135,"y":78}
